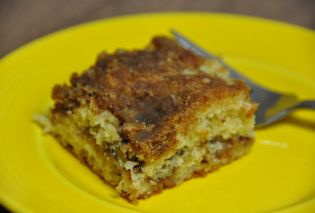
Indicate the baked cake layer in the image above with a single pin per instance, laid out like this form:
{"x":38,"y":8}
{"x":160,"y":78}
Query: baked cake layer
{"x":149,"y":119}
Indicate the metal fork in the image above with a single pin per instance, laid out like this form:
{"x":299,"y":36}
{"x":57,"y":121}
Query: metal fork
{"x":273,"y":106}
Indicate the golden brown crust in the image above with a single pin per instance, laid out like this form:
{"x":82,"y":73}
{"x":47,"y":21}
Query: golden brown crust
{"x":147,"y":91}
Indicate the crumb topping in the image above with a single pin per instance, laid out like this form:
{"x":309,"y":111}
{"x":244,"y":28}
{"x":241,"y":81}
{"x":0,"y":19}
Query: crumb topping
{"x":149,"y":91}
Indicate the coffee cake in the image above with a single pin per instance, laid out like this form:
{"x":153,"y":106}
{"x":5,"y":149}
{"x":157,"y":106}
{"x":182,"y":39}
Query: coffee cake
{"x":145,"y":120}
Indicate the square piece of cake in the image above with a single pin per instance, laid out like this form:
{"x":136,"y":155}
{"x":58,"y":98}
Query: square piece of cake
{"x":145,"y":120}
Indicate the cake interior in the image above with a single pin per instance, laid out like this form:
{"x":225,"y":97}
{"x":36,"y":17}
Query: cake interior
{"x":220,"y":134}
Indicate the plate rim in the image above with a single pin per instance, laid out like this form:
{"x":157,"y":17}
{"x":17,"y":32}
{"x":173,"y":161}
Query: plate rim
{"x":61,"y":30}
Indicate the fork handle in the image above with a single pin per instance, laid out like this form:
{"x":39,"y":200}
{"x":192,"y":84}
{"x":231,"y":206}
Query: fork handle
{"x":307,"y":104}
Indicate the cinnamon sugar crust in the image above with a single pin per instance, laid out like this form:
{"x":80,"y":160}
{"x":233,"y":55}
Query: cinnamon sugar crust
{"x":150,"y":91}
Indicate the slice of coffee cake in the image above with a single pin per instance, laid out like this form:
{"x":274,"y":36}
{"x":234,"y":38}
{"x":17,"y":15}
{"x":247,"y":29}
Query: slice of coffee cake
{"x":145,"y":120}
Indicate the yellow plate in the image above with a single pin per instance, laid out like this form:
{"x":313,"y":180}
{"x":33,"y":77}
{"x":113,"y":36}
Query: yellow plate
{"x":37,"y":175}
